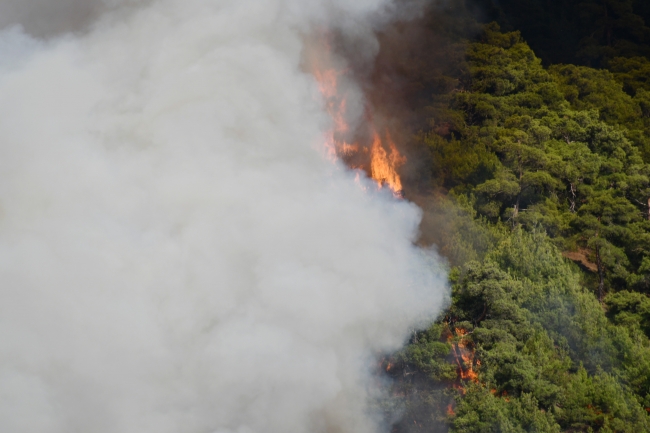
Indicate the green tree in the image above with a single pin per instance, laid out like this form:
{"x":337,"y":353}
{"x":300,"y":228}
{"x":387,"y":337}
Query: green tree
{"x":550,"y":148}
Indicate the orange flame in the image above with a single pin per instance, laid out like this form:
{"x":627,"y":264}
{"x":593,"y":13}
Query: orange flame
{"x":464,"y":356}
{"x":383,"y":164}
{"x":336,"y":107}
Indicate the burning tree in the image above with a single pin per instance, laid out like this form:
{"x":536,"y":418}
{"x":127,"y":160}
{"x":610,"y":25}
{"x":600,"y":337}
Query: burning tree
{"x":362,"y":146}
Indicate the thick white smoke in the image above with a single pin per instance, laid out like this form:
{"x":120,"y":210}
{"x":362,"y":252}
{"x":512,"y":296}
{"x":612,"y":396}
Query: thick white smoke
{"x":176,"y":254}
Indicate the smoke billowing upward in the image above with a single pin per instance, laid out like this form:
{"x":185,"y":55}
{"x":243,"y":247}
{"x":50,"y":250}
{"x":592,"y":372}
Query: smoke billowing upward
{"x":176,"y":253}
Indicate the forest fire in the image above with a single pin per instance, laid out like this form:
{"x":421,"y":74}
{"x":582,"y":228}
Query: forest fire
{"x":383,"y":165}
{"x":371,"y":151}
{"x":450,"y":410}
{"x":464,"y":356}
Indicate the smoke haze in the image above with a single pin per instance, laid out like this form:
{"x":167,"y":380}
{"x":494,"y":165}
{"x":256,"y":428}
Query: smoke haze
{"x":176,"y":254}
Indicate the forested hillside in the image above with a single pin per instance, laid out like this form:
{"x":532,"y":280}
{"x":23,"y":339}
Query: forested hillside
{"x":536,"y":188}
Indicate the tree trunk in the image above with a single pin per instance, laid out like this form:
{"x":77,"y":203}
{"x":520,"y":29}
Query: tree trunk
{"x":573,"y":199}
{"x":601,"y":270}
{"x":608,"y":26}
{"x":601,"y":276}
{"x":648,"y":208}
{"x":516,"y":212}
{"x":521,"y":189}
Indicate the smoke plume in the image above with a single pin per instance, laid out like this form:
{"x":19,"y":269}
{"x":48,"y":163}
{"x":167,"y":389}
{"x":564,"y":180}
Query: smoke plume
{"x":176,"y":253}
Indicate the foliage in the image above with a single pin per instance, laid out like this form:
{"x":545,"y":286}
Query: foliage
{"x":534,"y":166}
{"x":550,"y":148}
{"x":547,"y":357}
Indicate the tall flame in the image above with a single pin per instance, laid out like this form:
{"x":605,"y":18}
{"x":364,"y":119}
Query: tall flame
{"x":384,"y":158}
{"x":464,"y":355}
{"x":383,"y":165}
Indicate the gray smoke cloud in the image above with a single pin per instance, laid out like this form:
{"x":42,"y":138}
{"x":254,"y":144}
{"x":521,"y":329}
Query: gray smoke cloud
{"x":47,"y":18}
{"x":176,"y":253}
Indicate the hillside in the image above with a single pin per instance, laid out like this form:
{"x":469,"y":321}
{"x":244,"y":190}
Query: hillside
{"x":536,"y":188}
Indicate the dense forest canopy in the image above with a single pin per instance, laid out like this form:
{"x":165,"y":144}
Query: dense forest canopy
{"x":531,"y":126}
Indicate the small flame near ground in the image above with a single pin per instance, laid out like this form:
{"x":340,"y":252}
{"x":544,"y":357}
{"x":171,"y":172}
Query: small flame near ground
{"x":462,"y":354}
{"x":382,"y":157}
